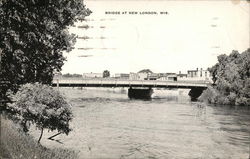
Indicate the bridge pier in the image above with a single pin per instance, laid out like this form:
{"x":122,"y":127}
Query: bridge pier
{"x":194,"y":93}
{"x":140,"y":93}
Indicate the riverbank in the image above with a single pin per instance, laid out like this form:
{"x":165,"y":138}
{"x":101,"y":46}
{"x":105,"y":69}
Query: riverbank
{"x":16,"y":144}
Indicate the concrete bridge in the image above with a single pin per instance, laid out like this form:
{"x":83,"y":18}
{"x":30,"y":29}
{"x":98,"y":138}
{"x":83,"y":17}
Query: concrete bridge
{"x":137,"y":88}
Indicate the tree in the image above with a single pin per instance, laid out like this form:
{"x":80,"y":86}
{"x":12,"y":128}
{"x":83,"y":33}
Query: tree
{"x":213,"y":72}
{"x":68,"y":75}
{"x":42,"y":106}
{"x":106,"y":74}
{"x":231,"y":76}
{"x":33,"y":35}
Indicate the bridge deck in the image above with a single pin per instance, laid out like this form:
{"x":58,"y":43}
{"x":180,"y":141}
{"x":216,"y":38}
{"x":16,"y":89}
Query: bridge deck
{"x":129,"y":83}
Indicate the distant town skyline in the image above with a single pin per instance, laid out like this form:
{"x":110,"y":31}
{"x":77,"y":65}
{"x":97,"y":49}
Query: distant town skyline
{"x":189,"y":36}
{"x":113,"y":74}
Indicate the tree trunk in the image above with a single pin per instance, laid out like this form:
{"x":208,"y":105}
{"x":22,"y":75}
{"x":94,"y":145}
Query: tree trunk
{"x":51,"y":137}
{"x":40,"y":136}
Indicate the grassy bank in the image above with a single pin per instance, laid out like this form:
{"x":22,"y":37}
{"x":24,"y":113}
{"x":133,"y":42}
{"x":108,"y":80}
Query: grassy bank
{"x":16,"y":144}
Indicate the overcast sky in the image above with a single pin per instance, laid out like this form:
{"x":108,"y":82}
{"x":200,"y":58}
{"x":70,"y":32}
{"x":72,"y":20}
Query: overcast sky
{"x":191,"y":35}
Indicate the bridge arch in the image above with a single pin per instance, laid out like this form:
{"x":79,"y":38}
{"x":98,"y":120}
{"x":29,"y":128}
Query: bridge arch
{"x":195,"y":93}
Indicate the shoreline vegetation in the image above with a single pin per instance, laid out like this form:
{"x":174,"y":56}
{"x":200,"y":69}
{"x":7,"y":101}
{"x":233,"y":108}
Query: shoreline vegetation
{"x":17,"y":144}
{"x":38,"y":105}
{"x":231,"y":77}
{"x":34,"y":35}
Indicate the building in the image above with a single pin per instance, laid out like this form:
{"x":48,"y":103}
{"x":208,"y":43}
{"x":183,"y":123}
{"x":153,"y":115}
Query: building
{"x":134,"y":76}
{"x":122,"y":75}
{"x":198,"y":74}
{"x":167,"y":77}
{"x":143,"y":76}
{"x":152,"y":76}
{"x":192,"y":73}
{"x":172,"y":77}
{"x":92,"y":75}
{"x":163,"y":78}
{"x":181,"y":76}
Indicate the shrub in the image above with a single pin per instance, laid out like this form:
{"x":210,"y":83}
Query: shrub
{"x":42,"y":106}
{"x":210,"y":95}
{"x":242,"y":101}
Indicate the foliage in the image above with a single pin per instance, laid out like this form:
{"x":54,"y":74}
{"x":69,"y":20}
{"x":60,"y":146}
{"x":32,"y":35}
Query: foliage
{"x":41,"y":105}
{"x":148,"y":71}
{"x":33,"y":35}
{"x":106,"y":74}
{"x":231,"y":76}
{"x":68,"y":75}
{"x":209,"y":95}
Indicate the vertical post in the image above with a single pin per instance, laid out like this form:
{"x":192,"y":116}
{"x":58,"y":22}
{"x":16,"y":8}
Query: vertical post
{"x":57,"y":80}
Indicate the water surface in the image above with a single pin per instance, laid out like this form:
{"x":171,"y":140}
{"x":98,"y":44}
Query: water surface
{"x":107,"y":124}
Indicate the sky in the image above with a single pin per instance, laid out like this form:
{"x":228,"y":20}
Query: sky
{"x":190,"y":35}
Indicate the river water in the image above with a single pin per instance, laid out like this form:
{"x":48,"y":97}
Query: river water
{"x":107,"y":124}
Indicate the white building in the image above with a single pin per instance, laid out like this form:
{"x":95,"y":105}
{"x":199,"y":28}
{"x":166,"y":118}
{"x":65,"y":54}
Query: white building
{"x":198,"y":74}
{"x":143,"y":76}
{"x":122,"y":75}
{"x":92,"y":75}
{"x":167,"y":76}
{"x":134,"y":76}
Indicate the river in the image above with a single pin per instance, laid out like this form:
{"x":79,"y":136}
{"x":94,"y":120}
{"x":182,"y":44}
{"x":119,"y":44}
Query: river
{"x":107,"y":124}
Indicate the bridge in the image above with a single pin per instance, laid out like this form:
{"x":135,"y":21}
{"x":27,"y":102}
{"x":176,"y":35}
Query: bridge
{"x":137,"y":88}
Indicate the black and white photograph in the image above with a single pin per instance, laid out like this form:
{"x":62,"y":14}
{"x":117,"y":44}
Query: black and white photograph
{"x":124,"y":79}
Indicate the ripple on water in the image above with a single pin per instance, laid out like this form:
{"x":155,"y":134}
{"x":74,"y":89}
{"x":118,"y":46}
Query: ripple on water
{"x":107,"y":124}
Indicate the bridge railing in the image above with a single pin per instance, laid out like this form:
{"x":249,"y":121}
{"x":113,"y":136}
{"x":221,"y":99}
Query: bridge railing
{"x":103,"y":81}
